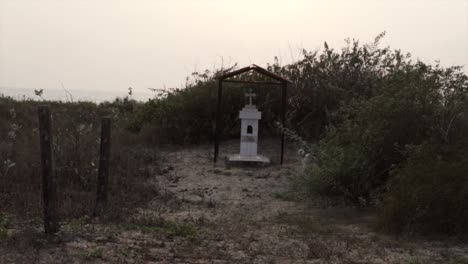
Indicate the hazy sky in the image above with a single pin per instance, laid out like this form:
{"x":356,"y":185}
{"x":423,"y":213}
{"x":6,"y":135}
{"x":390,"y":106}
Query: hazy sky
{"x":112,"y":44}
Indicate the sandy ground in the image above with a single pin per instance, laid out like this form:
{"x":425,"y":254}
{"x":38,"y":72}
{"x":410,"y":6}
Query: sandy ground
{"x":209,"y":213}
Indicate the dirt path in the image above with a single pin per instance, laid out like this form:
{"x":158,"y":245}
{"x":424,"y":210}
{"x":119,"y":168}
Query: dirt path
{"x":214,"y":214}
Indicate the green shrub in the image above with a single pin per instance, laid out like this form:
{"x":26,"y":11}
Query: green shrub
{"x":337,"y":171}
{"x":367,"y":136}
{"x":372,"y":138}
{"x":428,"y":194}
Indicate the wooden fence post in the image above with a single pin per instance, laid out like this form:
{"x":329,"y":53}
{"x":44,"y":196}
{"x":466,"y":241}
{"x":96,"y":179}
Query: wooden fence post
{"x":49,"y":188}
{"x":103,"y":173}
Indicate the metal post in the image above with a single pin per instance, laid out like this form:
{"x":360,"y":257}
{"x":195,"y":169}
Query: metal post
{"x":103,"y":174}
{"x":218,"y":120}
{"x":283,"y":118}
{"x":49,"y":188}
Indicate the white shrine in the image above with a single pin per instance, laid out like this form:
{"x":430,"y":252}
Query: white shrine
{"x":249,"y":117}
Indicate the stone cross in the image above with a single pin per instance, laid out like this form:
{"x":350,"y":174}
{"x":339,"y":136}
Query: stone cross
{"x":250,"y":94}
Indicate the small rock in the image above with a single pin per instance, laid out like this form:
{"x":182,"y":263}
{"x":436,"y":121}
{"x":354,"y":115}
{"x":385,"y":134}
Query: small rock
{"x":175,"y":179}
{"x":167,"y":169}
{"x":193,"y":199}
{"x":101,"y":239}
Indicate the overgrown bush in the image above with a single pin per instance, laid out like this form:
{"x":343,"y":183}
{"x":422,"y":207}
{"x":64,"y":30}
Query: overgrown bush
{"x":370,"y":141}
{"x":320,"y":83}
{"x":323,"y":80}
{"x":429,"y":193}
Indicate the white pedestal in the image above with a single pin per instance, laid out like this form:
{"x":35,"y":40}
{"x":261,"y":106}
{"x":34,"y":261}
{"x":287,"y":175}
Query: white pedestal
{"x":252,"y":159}
{"x":249,"y":116}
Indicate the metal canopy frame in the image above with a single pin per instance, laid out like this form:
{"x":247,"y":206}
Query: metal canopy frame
{"x":280,"y":81}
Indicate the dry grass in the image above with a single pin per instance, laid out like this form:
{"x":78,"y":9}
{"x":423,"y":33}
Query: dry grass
{"x":76,"y":131}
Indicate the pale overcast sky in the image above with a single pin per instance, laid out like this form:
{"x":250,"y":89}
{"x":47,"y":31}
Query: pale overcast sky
{"x":114,"y":44}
